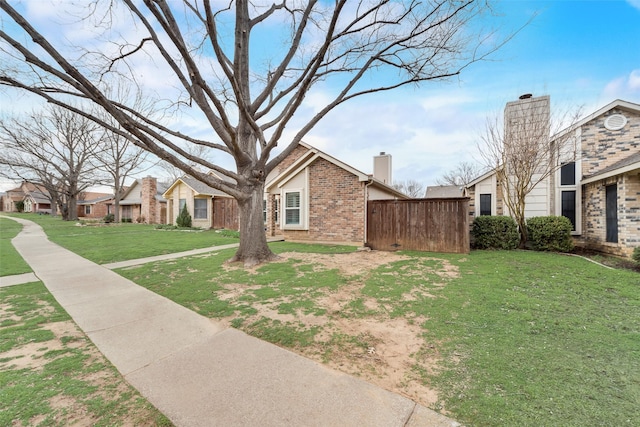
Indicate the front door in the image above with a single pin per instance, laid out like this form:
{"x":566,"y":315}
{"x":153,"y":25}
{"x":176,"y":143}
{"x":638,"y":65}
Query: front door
{"x":612,"y":213}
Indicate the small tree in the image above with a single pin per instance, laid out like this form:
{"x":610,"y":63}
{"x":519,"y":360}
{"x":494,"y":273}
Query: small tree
{"x":184,"y":219}
{"x":411,"y":188}
{"x":522,"y":152}
{"x":19,"y":205}
{"x":461,"y":175}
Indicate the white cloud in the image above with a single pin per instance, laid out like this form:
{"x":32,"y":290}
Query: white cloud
{"x":634,"y":3}
{"x":625,"y":87}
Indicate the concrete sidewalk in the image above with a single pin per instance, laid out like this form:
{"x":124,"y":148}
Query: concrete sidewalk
{"x":194,"y":370}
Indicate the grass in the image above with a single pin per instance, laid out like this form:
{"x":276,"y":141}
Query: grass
{"x":518,"y":344}
{"x":520,"y":338}
{"x":51,"y":374}
{"x":105,"y":243}
{"x":12,"y":262}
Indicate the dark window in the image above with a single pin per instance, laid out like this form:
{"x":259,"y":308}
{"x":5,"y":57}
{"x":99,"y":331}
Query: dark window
{"x":485,"y":204}
{"x":612,"y":213}
{"x":264,"y":211}
{"x":276,"y":210}
{"x":568,"y":174}
{"x":87,"y":209}
{"x":569,"y":207}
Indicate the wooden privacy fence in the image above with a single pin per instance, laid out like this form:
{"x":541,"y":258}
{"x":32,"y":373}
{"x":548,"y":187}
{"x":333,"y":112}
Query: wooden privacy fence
{"x":432,"y":225}
{"x":225,"y":213}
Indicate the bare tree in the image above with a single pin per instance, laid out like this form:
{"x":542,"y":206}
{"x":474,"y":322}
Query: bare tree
{"x":54,"y":149}
{"x":523,"y":154}
{"x":461,"y":175}
{"x":120,"y":158}
{"x":342,"y":49}
{"x":411,"y":188}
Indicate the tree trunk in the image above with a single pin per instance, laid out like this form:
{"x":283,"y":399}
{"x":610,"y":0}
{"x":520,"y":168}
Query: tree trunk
{"x":253,"y":248}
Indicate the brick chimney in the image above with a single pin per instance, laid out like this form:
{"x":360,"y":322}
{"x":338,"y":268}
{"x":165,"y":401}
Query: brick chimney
{"x":148,"y":208}
{"x":382,"y":168}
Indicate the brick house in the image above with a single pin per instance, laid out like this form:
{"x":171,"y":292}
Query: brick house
{"x":597,"y":186}
{"x":35,"y":198}
{"x":142,"y":202}
{"x":311,"y":196}
{"x":92,"y":205}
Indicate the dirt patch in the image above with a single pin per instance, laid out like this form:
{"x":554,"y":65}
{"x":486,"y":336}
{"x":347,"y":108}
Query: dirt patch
{"x":389,"y":352}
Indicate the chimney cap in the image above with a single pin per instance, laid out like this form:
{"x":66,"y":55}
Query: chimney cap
{"x":526,"y":96}
{"x":382,"y":153}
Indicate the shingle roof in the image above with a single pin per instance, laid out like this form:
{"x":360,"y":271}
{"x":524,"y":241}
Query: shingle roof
{"x":621,"y":164}
{"x":444,"y":191}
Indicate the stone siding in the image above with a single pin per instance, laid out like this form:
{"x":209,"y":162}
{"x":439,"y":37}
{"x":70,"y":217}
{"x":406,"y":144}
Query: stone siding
{"x":602,"y":147}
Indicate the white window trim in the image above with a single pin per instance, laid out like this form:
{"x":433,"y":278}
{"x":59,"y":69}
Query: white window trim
{"x":303,"y":210}
{"x":494,"y":197}
{"x":577,"y":187}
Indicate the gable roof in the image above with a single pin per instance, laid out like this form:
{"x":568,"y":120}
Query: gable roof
{"x":618,"y":103}
{"x":199,"y":188}
{"x":311,"y":155}
{"x":481,"y":178}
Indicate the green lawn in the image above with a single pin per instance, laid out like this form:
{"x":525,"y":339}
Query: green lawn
{"x":10,"y":260}
{"x":505,"y":337}
{"x":119,"y":242}
{"x":523,"y":338}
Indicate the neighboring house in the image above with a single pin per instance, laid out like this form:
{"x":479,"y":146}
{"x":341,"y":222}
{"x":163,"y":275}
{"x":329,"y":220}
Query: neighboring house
{"x":208,"y":207}
{"x":311,"y":196}
{"x":142,"y":202}
{"x":445,"y":192}
{"x":597,"y":187}
{"x":35,"y":198}
{"x":93,"y":205}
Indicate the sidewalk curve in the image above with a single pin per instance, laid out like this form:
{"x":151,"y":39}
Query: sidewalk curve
{"x":194,"y":370}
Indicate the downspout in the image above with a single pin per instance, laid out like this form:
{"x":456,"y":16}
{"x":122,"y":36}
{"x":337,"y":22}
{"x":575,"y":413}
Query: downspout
{"x":366,"y":204}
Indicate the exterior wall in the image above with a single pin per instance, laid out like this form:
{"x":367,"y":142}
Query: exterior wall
{"x":183,"y":191}
{"x":594,"y":210}
{"x":151,"y":208}
{"x":335,"y":206}
{"x":602,"y":147}
{"x":98,"y":210}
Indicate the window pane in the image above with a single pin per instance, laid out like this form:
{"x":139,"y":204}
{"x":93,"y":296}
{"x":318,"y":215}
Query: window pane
{"x":264,"y":211}
{"x":485,"y":204}
{"x":182,"y":203}
{"x":293,"y":200}
{"x":292,"y":208}
{"x":200,"y":208}
{"x":568,"y":174}
{"x":569,"y":207}
{"x":276,"y":217}
{"x":293,"y":216}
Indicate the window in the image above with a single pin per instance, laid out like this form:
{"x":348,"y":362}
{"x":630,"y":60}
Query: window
{"x":569,"y":207}
{"x":568,"y":174}
{"x":276,"y":209}
{"x":485,"y":204}
{"x":199,"y":208}
{"x":264,"y":211}
{"x":87,"y":209}
{"x":292,"y":208}
{"x":612,"y":213}
{"x":181,"y":204}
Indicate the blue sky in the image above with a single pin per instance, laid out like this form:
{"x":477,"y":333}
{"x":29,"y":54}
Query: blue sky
{"x":581,"y":53}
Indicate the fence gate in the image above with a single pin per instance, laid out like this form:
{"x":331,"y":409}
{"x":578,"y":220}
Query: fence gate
{"x":431,"y":225}
{"x":225,"y":213}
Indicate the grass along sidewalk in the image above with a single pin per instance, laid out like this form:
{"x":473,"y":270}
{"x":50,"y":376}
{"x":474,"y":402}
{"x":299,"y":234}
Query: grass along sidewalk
{"x":52,"y":375}
{"x":12,"y":263}
{"x":492,"y":338}
{"x":107,"y":243}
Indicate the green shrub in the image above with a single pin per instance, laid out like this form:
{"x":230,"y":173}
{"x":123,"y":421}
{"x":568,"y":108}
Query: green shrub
{"x":636,"y":254}
{"x":126,"y":220}
{"x":495,"y":232}
{"x":108,"y":218}
{"x":19,"y":205}
{"x":550,"y":233}
{"x":184,"y":219}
